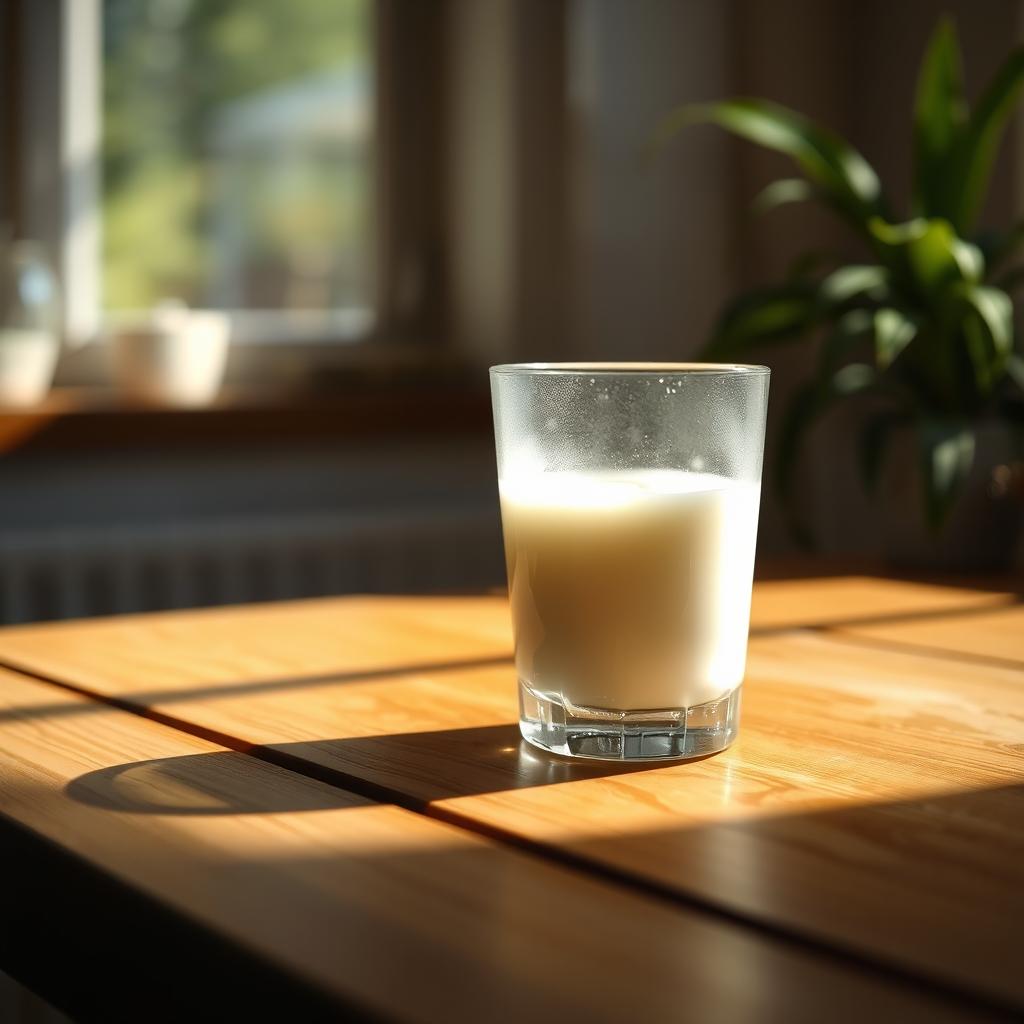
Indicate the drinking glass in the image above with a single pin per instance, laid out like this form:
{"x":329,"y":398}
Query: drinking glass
{"x":29,"y":322}
{"x":629,"y":502}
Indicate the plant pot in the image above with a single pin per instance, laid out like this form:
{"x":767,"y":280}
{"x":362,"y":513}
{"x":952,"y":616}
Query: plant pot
{"x":176,"y":358}
{"x":985,"y":524}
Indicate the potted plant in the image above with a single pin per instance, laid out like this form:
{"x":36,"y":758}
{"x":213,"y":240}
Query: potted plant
{"x":920,"y":328}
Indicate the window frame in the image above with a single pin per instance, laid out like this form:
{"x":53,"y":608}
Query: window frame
{"x":56,"y":192}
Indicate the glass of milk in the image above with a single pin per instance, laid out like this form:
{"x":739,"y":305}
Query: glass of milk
{"x":629,"y":500}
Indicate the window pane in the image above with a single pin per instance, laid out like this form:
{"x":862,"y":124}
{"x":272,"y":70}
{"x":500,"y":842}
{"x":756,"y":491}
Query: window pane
{"x":237,"y":155}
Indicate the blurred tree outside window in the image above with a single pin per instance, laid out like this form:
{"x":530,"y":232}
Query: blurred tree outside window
{"x":238,"y":158}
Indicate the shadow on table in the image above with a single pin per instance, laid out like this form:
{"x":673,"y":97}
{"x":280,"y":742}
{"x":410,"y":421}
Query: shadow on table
{"x":533,"y":933}
{"x":928,"y":891}
{"x":407,"y":768}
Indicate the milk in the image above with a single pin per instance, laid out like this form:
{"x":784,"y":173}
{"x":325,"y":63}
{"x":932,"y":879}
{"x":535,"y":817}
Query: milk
{"x":630,"y":590}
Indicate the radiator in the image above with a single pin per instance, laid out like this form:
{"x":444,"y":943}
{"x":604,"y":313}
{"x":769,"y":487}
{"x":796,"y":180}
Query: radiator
{"x":57,"y":574}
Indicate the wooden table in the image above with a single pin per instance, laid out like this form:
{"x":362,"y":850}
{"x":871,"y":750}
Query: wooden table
{"x":324,"y":808}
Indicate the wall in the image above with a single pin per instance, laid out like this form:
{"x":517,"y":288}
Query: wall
{"x":137,"y":529}
{"x":651,"y":247}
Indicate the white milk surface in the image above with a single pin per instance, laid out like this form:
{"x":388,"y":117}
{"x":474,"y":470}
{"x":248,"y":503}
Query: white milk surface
{"x":630,"y":590}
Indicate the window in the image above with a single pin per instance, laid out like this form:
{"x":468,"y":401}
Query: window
{"x":237,"y":162}
{"x":277,"y":159}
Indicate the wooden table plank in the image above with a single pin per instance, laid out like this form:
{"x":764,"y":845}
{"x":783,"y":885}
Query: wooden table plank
{"x":993,"y":635}
{"x":406,"y":916}
{"x":873,"y":801}
{"x":852,"y":600}
{"x":984,"y":620}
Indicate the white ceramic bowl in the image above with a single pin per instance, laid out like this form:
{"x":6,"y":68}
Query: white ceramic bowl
{"x":176,"y":357}
{"x":28,"y":359}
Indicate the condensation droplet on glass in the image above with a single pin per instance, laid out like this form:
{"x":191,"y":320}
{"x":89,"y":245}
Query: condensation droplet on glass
{"x":551,"y":423}
{"x":696,"y":463}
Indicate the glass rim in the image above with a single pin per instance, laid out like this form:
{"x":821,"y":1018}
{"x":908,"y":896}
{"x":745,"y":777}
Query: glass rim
{"x":631,"y":369}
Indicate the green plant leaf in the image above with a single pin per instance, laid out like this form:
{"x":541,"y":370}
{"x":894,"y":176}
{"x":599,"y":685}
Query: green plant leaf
{"x":781,"y":192}
{"x":927,"y":253}
{"x":995,"y":308}
{"x":938,"y":257}
{"x":845,"y":179}
{"x":946,"y":454}
{"x":894,"y":331}
{"x":851,"y":379}
{"x":940,"y":113}
{"x":761,"y":316}
{"x":890,"y":243}
{"x":855,"y":279}
{"x":981,"y":139}
{"x":896,"y":235}
{"x":931,"y":256}
{"x":979,"y":351}
{"x":849,"y":329}
{"x":969,"y":258}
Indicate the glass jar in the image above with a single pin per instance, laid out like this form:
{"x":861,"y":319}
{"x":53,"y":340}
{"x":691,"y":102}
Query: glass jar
{"x":29,"y":323}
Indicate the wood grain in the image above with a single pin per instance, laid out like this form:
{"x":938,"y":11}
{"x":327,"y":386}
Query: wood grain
{"x":993,"y":635}
{"x":874,"y":801}
{"x":402,"y":915}
{"x":852,"y":600}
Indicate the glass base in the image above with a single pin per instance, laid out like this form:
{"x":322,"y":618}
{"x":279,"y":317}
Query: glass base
{"x":672,"y":733}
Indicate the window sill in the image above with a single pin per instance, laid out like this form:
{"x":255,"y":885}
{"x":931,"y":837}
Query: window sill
{"x":355,"y":408}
